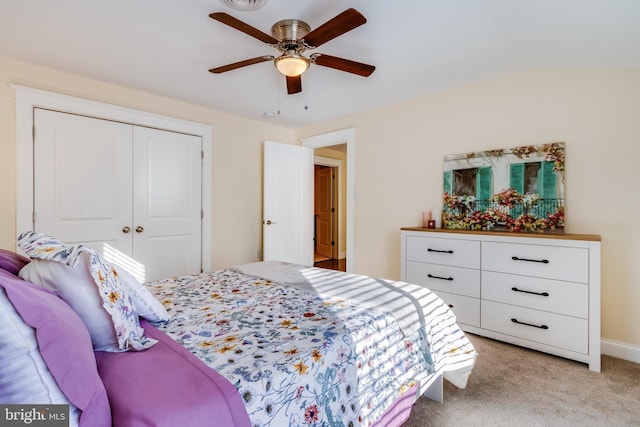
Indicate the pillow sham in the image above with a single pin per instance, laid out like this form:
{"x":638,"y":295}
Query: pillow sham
{"x":11,"y":261}
{"x":24,"y":377}
{"x":69,"y":282}
{"x":147,"y":305}
{"x":74,"y":286}
{"x":64,"y":346}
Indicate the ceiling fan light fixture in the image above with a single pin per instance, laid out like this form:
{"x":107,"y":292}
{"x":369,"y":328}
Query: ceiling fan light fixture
{"x":245,"y":5}
{"x":291,"y":64}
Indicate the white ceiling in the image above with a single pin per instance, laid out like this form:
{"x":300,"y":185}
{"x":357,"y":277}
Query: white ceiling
{"x":418,"y":46}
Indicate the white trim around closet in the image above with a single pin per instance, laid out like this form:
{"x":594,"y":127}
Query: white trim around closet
{"x":28,"y":98}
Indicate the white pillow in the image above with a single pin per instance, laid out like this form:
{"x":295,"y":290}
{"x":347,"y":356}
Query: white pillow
{"x":76,"y":287}
{"x":24,"y":376}
{"x":147,"y":305}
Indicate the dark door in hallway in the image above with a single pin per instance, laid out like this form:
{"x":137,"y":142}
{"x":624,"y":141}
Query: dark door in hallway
{"x":324,"y":211}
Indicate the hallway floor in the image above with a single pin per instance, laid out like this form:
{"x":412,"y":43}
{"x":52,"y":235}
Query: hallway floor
{"x":332,"y":264}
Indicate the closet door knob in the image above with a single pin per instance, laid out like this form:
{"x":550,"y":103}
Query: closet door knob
{"x":126,"y":229}
{"x":139,"y":229}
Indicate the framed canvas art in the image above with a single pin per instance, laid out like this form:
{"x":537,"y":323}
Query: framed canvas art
{"x":519,"y":189}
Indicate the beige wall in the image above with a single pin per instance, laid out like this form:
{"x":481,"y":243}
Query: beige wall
{"x":399,"y":155}
{"x":236,"y":163}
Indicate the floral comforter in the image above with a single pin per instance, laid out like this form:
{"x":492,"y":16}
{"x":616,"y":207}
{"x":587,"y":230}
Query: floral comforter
{"x":300,"y":358}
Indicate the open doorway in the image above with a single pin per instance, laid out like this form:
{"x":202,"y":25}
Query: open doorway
{"x":329,"y":215}
{"x":324,"y":210}
{"x":344,"y":140}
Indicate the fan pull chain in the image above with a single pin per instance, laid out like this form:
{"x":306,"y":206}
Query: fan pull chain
{"x":279,"y":93}
{"x":306,"y":94}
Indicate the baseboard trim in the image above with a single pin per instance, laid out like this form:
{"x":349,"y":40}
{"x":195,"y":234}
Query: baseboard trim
{"x":620,"y":350}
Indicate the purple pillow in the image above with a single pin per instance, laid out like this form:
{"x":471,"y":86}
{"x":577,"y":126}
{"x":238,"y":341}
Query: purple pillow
{"x":65,"y":346}
{"x":12,"y":262}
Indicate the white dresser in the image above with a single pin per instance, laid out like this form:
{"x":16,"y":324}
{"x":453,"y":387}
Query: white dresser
{"x":540,"y":291}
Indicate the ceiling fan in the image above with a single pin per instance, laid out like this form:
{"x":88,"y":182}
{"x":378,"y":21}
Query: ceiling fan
{"x":292,"y":37}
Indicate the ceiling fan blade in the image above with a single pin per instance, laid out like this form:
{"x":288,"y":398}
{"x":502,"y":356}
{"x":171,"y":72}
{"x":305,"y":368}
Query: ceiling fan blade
{"x":344,"y":22}
{"x":241,"y":64}
{"x":229,"y":20}
{"x":294,"y":84}
{"x":342,"y":64}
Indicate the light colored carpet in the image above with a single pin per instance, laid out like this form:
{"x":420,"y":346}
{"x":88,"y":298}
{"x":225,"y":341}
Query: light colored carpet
{"x":514,"y":386}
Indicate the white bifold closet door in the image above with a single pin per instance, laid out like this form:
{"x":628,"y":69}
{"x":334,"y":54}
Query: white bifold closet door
{"x":133,"y":193}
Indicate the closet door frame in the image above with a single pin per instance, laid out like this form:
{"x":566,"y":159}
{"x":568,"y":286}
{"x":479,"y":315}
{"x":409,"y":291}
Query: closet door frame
{"x":27,"y":99}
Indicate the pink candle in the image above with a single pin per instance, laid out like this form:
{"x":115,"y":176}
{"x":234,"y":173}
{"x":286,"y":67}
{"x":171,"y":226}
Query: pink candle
{"x":426,"y":218}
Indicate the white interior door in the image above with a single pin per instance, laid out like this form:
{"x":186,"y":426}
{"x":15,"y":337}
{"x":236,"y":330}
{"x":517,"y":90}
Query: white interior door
{"x":82,"y":180}
{"x":167,"y":204}
{"x":288,"y":203}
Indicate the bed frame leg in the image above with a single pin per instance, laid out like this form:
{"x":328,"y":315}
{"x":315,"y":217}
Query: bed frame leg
{"x":435,"y":391}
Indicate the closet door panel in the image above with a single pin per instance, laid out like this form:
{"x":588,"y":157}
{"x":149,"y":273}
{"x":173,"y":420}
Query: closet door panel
{"x":82,"y":176}
{"x":167,"y":202}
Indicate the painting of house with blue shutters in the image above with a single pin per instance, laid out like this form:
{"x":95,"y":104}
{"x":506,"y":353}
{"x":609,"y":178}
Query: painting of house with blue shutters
{"x":519,"y":189}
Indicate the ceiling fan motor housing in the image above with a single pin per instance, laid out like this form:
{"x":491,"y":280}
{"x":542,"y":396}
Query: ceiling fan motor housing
{"x":290,"y":29}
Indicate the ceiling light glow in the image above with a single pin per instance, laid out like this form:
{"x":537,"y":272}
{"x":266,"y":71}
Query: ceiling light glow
{"x":291,"y":64}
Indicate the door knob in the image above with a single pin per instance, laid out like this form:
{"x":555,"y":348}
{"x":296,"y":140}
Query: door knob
{"x":269,"y":222}
{"x":126,"y":229}
{"x":139,"y":229}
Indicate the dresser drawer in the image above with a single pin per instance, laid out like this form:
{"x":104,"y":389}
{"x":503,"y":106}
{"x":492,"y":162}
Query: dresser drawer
{"x":570,"y":333}
{"x":569,"y":298}
{"x":551,"y":262}
{"x":466,"y":309}
{"x":459,"y":253}
{"x":457,"y":280}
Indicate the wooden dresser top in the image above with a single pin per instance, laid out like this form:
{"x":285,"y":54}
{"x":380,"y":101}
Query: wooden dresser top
{"x":560,"y":236}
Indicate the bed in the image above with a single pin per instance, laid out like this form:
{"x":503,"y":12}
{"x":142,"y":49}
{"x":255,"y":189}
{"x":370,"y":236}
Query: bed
{"x":261,"y":344}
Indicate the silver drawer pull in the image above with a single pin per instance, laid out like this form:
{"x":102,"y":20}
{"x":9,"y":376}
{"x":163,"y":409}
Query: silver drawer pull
{"x":529,"y":324}
{"x":543,"y":261}
{"x":543,"y":294}
{"x":431,"y":276}
{"x":440,"y":251}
